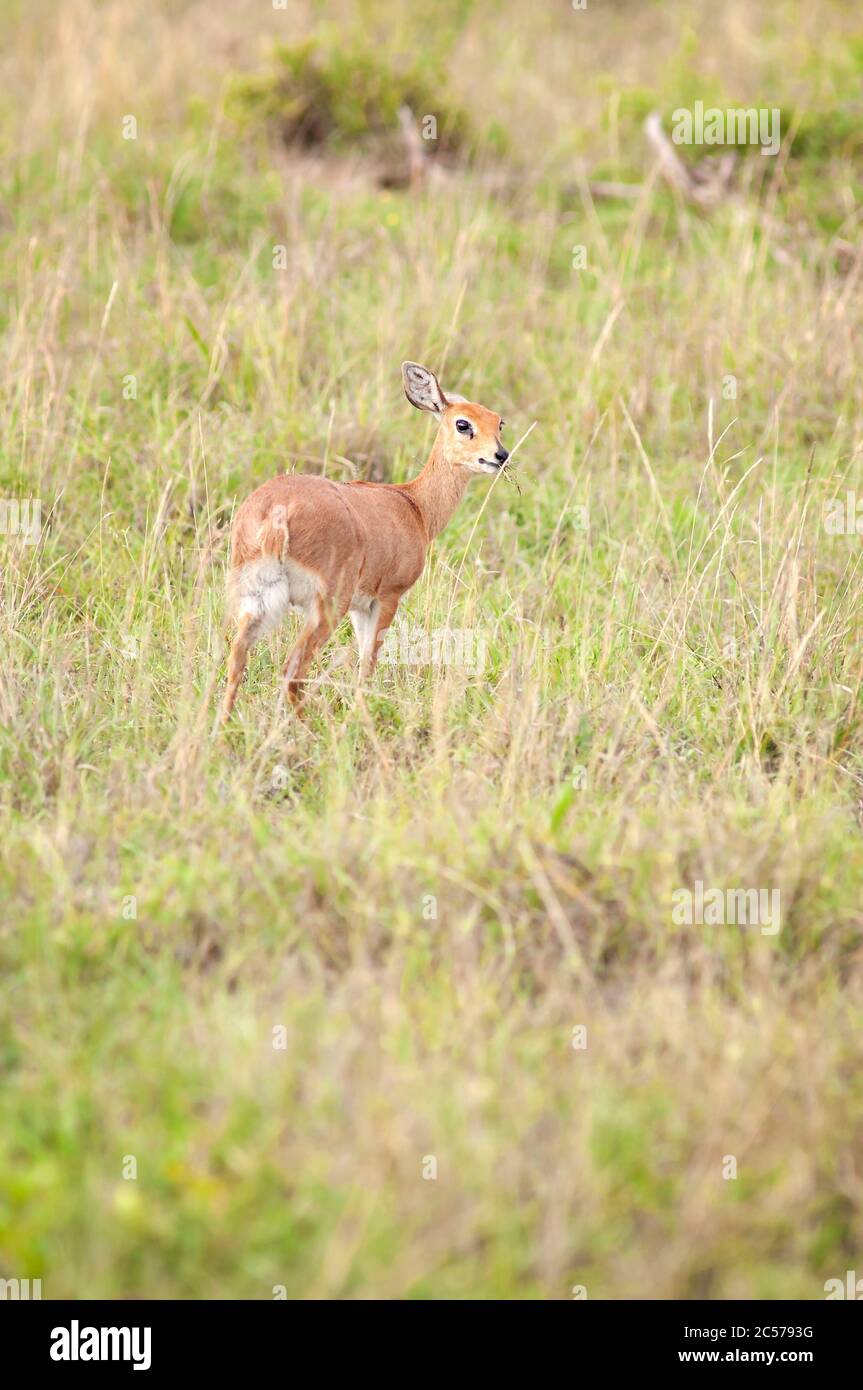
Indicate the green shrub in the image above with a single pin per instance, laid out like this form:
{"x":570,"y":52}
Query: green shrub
{"x":326,"y":91}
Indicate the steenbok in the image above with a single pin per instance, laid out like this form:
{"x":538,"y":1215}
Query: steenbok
{"x":330,"y":548}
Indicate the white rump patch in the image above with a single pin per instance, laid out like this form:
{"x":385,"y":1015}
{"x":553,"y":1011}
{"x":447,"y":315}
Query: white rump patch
{"x":266,"y":589}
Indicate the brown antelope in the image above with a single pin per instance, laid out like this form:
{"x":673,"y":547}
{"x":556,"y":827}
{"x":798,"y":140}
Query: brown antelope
{"x":329,"y":548}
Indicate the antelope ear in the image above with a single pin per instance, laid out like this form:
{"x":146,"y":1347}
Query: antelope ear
{"x":422,"y":388}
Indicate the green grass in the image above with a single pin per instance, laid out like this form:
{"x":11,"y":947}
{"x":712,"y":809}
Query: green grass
{"x":428,"y":888}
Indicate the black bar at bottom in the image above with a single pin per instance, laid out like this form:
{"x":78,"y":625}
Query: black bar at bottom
{"x":154,"y":1338}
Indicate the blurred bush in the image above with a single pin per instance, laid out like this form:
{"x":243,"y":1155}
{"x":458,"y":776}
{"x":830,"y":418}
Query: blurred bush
{"x":332,"y":92}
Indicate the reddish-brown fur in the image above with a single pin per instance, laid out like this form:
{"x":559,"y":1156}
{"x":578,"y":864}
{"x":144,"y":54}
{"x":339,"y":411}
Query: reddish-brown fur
{"x":330,"y":547}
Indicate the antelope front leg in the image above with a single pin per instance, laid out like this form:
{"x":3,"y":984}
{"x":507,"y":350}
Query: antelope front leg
{"x":373,"y":634}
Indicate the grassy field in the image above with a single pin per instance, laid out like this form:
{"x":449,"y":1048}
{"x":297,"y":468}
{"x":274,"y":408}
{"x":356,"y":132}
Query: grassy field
{"x":297,"y":1005}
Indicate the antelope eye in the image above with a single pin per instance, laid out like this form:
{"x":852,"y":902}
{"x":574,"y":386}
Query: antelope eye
{"x":463,"y":426}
